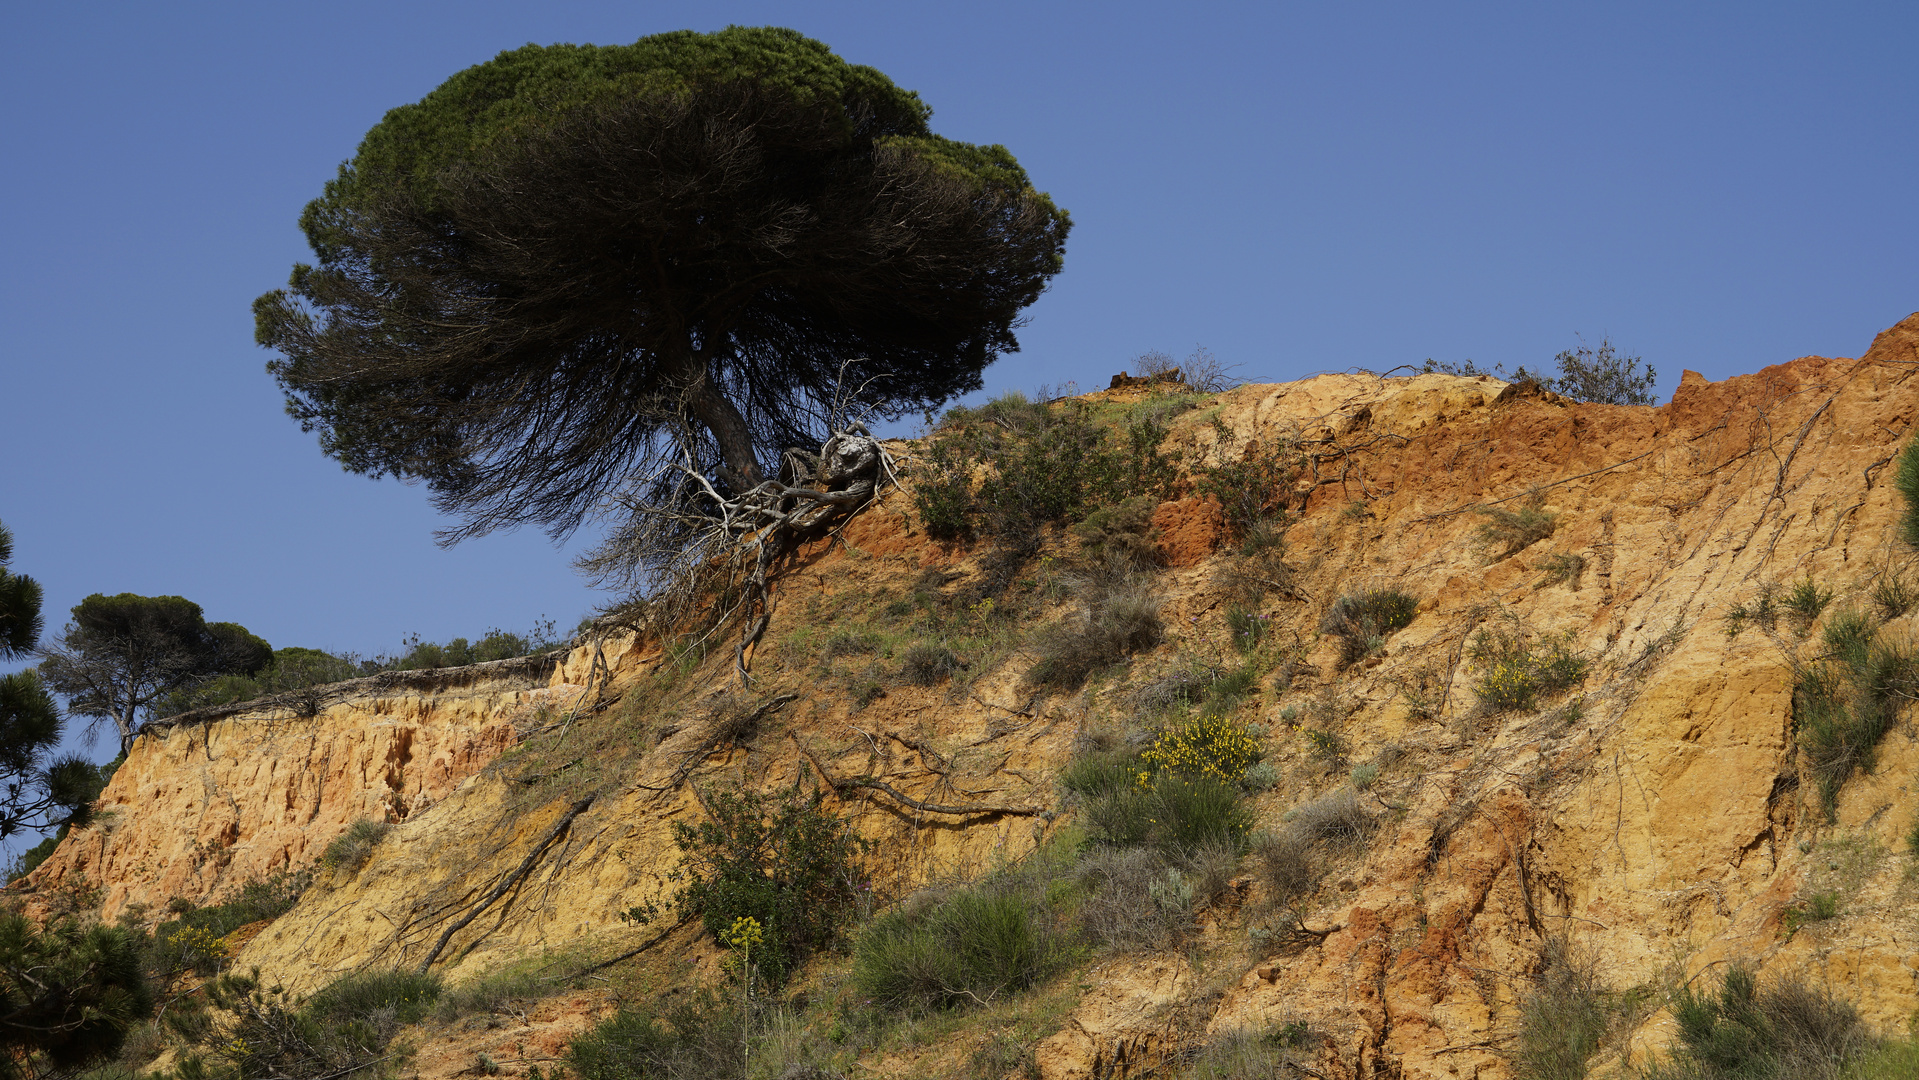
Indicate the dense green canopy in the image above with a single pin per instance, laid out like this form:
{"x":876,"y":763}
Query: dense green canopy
{"x":566,"y":263}
{"x":123,"y":653}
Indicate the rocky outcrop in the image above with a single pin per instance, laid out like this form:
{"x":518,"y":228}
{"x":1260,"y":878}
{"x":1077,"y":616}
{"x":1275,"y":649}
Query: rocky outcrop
{"x":1657,"y":819}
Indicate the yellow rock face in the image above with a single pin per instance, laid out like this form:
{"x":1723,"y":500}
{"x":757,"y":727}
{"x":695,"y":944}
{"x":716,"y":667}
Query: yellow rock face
{"x":200,"y":809}
{"x":1659,"y":819}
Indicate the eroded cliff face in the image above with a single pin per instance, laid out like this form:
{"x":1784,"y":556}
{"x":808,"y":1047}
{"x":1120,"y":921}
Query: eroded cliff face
{"x":1660,"y":819}
{"x":199,"y":808}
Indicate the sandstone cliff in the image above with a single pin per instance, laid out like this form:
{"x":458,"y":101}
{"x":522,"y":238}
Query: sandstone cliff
{"x":1660,"y":818}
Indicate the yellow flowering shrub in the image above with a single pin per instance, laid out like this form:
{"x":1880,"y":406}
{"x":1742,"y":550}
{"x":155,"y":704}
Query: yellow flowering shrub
{"x":1211,"y":746}
{"x":197,"y":948}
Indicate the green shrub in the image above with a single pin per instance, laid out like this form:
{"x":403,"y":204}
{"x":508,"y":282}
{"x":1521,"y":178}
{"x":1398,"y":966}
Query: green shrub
{"x":695,"y":1036}
{"x":351,"y":849}
{"x":343,"y":1029}
{"x":943,"y":490}
{"x":1508,"y":532}
{"x":1173,"y":814}
{"x":399,"y":997}
{"x":1011,"y":467}
{"x":1905,"y":478}
{"x":1117,"y":620}
{"x":1743,"y":1030}
{"x":784,"y":861}
{"x":966,"y":948}
{"x":1514,"y":671}
{"x":1122,"y":535}
{"x":1252,"y":492}
{"x":1364,"y":620}
{"x":1844,"y":703}
{"x":193,"y":941}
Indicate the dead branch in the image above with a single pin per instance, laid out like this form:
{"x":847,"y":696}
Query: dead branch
{"x":870,"y":783}
{"x":526,"y":865}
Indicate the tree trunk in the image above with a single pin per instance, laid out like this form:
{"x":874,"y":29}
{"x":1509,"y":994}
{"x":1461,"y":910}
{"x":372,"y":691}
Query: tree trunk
{"x":721,"y":418}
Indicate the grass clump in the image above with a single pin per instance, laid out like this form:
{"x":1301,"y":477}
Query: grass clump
{"x":1514,"y":671}
{"x":970,"y":944}
{"x":969,"y":948}
{"x":1290,"y":861}
{"x":351,"y":849}
{"x":1364,"y":620}
{"x":929,"y":665}
{"x":1893,"y":596}
{"x":1744,"y":1030}
{"x":1174,"y":814}
{"x":1506,"y":533}
{"x":1819,"y":907}
{"x":1761,"y":611}
{"x":1100,"y":773}
{"x":1805,"y":601}
{"x":1563,"y":1018}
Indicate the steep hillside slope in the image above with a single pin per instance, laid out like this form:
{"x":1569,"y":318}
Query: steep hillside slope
{"x":1659,"y":817}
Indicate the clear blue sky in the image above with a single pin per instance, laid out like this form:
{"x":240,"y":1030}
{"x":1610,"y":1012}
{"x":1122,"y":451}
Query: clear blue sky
{"x":1300,"y":188}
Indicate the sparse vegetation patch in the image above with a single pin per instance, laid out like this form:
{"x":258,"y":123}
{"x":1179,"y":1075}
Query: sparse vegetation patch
{"x":1364,"y":620}
{"x":1514,"y":670}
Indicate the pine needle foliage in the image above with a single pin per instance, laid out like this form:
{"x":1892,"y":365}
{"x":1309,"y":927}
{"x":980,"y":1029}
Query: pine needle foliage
{"x":1905,"y":480}
{"x":570,"y":268}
